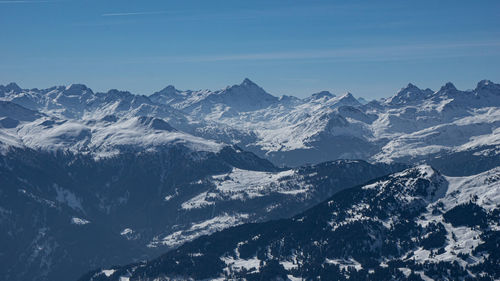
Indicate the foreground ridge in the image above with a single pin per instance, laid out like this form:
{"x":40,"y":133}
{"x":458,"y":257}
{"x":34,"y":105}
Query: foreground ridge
{"x":416,"y":224}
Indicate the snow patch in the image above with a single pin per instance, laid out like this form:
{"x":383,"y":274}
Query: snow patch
{"x":79,"y":221}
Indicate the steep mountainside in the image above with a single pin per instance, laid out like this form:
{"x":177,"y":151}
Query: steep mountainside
{"x":62,"y":214}
{"x":412,"y":225}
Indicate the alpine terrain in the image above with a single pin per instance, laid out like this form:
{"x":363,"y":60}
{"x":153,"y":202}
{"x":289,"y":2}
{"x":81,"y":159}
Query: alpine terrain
{"x":241,"y":184}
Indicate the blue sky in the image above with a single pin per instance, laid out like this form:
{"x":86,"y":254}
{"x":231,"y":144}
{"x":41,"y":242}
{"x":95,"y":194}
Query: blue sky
{"x":370,"y":48}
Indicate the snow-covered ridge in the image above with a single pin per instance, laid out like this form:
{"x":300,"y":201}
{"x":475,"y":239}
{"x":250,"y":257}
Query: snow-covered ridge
{"x":411,"y":124}
{"x":105,"y":137}
{"x":75,"y":119}
{"x":237,"y":186}
{"x":244,"y":185}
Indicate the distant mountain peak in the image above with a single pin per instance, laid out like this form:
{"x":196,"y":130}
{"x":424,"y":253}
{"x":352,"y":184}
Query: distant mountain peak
{"x":248,"y":83}
{"x":247,"y":87}
{"x":245,"y":96}
{"x":347,"y":96}
{"x":484,"y":83}
{"x":170,"y":89}
{"x":322,"y":94}
{"x":347,"y":99}
{"x":11,"y":87}
{"x":448,"y":87}
{"x":410,"y":86}
{"x":116,"y":91}
{"x":118,"y":94}
{"x":487,"y":84}
{"x":408,"y":94}
{"x":76,"y":89}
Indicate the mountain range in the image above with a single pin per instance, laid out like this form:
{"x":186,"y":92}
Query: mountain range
{"x":410,"y":126}
{"x":92,"y":180}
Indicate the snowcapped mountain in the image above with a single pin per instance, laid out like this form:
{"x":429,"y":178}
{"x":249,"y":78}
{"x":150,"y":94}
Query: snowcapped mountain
{"x":413,"y":225}
{"x":409,"y":94}
{"x":246,"y":96}
{"x":413,"y":125}
{"x":410,"y":126}
{"x":111,"y":171}
{"x":77,"y":120}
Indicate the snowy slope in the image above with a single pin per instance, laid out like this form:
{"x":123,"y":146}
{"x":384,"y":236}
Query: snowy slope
{"x":411,"y":126}
{"x":164,"y":172}
{"x":242,"y":196}
{"x":77,"y":120}
{"x":246,"y":96}
{"x":416,"y":224}
{"x":108,"y":136}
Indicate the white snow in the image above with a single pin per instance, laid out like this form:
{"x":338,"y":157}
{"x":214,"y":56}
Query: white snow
{"x":126,"y":231}
{"x":485,"y":188}
{"x":246,"y":184}
{"x":412,"y":123}
{"x":253,"y":264}
{"x":200,"y":228}
{"x":108,"y":272}
{"x":345,"y":264}
{"x":199,"y":201}
{"x":79,"y":221}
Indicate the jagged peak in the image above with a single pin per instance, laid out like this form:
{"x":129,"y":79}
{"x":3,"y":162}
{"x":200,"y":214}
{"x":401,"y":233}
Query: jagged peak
{"x":11,"y":87}
{"x":409,"y":88}
{"x":116,"y":91}
{"x":169,"y":89}
{"x":448,"y":87}
{"x":288,"y":98}
{"x":322,"y":94}
{"x":76,"y":89}
{"x":248,"y":87}
{"x":76,"y":86}
{"x":486,"y":84}
{"x":410,"y":93}
{"x":347,"y":99}
{"x":347,"y":95}
{"x":248,"y":83}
